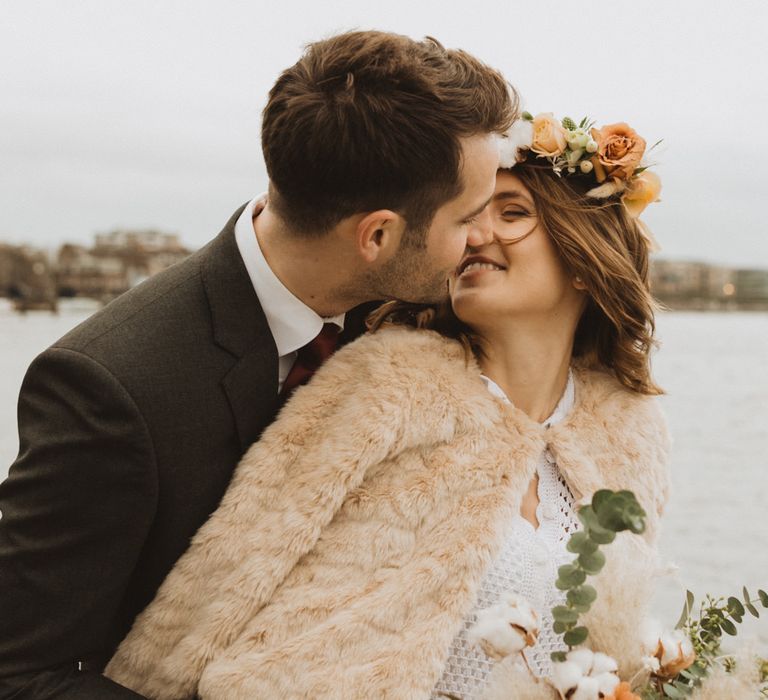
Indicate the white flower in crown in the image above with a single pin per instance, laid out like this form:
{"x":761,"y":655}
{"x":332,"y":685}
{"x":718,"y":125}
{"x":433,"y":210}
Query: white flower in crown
{"x":506,"y":628}
{"x":585,"y":675}
{"x":518,"y":138}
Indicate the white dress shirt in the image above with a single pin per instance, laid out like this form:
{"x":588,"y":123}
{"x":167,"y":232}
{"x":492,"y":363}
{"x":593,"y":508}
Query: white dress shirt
{"x":292,"y":323}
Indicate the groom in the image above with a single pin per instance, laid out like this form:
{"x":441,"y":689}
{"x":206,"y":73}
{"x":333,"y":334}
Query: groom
{"x":381,"y":160}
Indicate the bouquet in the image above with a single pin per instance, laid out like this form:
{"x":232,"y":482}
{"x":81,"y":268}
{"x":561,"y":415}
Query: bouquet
{"x":677,"y":663}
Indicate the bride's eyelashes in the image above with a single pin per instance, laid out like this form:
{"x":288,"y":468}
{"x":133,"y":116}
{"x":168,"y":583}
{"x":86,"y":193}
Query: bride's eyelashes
{"x":516,"y":213}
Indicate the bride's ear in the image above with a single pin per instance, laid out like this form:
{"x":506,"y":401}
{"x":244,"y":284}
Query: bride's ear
{"x":578,"y":283}
{"x":378,"y":235}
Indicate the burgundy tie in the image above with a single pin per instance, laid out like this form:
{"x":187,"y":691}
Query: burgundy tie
{"x":310,"y":357}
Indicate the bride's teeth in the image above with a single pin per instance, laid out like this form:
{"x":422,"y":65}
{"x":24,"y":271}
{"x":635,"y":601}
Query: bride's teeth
{"x":481,"y":266}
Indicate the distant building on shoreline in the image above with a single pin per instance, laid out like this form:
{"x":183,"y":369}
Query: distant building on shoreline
{"x":121,"y":259}
{"x":116,"y":262}
{"x":695,"y":285}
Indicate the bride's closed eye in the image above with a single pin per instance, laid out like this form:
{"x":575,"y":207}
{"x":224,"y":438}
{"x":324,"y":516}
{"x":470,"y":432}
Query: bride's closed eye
{"x":515,"y":213}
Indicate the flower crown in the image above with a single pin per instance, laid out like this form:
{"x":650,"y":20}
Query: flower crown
{"x":612,"y":155}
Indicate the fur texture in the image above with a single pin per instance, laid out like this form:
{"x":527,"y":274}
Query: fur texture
{"x":353,"y":536}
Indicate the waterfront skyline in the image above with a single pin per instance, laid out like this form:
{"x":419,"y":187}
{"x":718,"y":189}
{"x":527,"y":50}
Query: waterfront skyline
{"x":147,"y":114}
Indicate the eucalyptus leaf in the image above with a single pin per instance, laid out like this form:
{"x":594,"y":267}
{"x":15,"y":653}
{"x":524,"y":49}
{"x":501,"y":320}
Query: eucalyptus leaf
{"x":747,"y":597}
{"x":763,"y":597}
{"x":599,"y":498}
{"x":558,"y":656}
{"x":592,"y":563}
{"x":697,"y":671}
{"x":687,"y":608}
{"x":729,"y":627}
{"x":602,"y":536}
{"x":564,"y":614}
{"x":684,"y":688}
{"x":583,"y":595}
{"x":735,"y":606}
{"x":672,"y":692}
{"x":580,"y":543}
{"x":571,"y":574}
{"x":752,"y":609}
{"x":576,"y":636}
{"x":559,"y":627}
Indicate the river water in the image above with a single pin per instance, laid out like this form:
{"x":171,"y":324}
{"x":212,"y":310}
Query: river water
{"x":714,"y":367}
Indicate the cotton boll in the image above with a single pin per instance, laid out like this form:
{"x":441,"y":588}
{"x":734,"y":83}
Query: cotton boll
{"x":584,"y":658}
{"x":650,"y":634}
{"x":602,"y":663}
{"x":566,"y":675}
{"x":588,"y":689}
{"x":519,"y":137}
{"x":651,"y":663}
{"x":607,"y":682}
{"x":495,"y":636}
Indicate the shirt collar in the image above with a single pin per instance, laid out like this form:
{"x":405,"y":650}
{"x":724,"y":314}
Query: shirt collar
{"x":561,"y":410}
{"x":292,"y":323}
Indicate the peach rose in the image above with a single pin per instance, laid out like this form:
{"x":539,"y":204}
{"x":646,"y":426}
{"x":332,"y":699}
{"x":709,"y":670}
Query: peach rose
{"x":548,"y":135}
{"x":643,"y":190}
{"x":623,"y":692}
{"x":619,"y":151}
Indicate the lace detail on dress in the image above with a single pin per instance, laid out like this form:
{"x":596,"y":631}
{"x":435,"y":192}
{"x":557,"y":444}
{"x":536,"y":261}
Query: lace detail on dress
{"x":528,"y":565}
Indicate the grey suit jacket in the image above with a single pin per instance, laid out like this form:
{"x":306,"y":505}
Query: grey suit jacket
{"x":130,"y":427}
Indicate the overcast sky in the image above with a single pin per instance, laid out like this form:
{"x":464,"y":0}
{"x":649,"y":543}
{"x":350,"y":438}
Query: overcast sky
{"x":146,"y":112}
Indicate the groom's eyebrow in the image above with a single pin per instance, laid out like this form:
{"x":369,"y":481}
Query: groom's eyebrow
{"x":477,"y":211}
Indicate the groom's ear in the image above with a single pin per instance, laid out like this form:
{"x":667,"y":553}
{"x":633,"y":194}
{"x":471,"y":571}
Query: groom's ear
{"x":378,"y":235}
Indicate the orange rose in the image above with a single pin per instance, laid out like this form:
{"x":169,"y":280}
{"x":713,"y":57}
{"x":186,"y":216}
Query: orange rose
{"x":643,"y":190}
{"x":619,"y":151}
{"x":623,"y":691}
{"x":548,"y":135}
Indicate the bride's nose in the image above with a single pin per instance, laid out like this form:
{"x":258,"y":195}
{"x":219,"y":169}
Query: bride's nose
{"x":481,"y":230}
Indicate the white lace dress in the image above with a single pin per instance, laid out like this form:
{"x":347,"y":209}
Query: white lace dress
{"x":527,"y":565}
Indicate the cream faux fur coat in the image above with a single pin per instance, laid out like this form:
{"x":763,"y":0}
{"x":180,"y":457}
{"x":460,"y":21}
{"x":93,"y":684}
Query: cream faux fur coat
{"x":352,"y":539}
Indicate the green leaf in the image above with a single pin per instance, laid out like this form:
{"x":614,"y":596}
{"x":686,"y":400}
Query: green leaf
{"x":684,"y":688}
{"x":697,"y":671}
{"x":687,"y":608}
{"x":527,"y":116}
{"x":620,"y":511}
{"x":564,"y":614}
{"x":583,"y":595}
{"x":597,"y":532}
{"x":735,"y":606}
{"x":602,"y":536}
{"x":600,"y":497}
{"x":672,"y":692}
{"x":559,"y":627}
{"x":581,"y":544}
{"x":763,"y":597}
{"x":576,"y":636}
{"x":557,"y":656}
{"x":729,"y":627}
{"x":747,"y":597}
{"x":571,"y":575}
{"x":752,"y":609}
{"x":592,"y":563}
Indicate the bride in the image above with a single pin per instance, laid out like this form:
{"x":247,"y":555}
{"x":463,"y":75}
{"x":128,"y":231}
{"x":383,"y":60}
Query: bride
{"x":438,"y":462}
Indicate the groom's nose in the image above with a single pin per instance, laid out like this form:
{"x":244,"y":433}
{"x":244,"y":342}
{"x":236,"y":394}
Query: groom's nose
{"x":481,"y":230}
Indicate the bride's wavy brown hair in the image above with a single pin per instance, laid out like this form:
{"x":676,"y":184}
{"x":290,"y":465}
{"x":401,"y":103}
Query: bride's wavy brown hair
{"x":606,"y":248}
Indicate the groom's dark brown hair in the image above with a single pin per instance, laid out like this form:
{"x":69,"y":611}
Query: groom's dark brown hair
{"x":372,"y":120}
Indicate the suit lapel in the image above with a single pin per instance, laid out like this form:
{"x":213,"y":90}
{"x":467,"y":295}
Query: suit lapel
{"x":240,"y":327}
